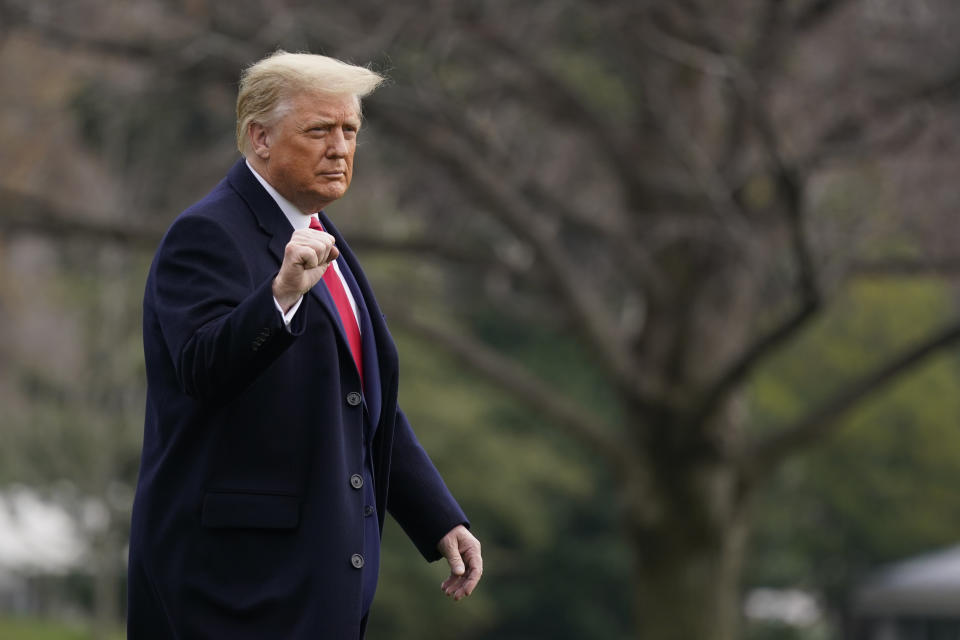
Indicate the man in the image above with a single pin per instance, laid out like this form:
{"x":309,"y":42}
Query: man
{"x":273,"y":443}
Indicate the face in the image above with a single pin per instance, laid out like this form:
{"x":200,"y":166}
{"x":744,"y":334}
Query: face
{"x":307,"y":156}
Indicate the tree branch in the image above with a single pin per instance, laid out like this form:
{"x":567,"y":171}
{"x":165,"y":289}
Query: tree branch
{"x":791,"y":191}
{"x":506,"y":375}
{"x":767,"y":454}
{"x":628,"y":254}
{"x":702,"y":168}
{"x":711,"y":181}
{"x":551,"y":91}
{"x":688,"y":54}
{"x":59,"y":36}
{"x":817,"y":13}
{"x":848,"y":134}
{"x":30,"y":214}
{"x":948,"y":266}
{"x":443,"y":145}
{"x":27,"y":213}
{"x":205,"y":53}
{"x":810,"y":303}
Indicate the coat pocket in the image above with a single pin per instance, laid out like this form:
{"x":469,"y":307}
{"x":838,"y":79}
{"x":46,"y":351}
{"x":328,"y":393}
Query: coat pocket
{"x":231,"y":510}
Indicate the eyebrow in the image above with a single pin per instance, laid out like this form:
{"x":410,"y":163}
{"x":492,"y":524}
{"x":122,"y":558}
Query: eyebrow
{"x":323,"y":122}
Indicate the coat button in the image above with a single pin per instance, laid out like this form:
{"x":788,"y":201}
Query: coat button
{"x":356,"y":481}
{"x":368,"y":510}
{"x":354,"y":398}
{"x":357,"y":561}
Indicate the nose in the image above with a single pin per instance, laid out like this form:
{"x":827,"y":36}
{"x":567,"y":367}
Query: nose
{"x":337,"y":143}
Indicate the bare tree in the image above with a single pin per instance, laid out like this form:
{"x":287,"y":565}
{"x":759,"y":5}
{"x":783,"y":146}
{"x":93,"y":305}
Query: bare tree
{"x":651,"y":177}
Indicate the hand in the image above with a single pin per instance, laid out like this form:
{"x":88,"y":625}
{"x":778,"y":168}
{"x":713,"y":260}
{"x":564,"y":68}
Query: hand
{"x":462,"y":551}
{"x":305,"y":259}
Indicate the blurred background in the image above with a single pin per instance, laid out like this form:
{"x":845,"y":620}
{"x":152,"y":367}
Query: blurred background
{"x":674,"y":284}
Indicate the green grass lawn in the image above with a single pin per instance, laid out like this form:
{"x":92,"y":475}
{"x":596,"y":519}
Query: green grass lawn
{"x":12,"y":628}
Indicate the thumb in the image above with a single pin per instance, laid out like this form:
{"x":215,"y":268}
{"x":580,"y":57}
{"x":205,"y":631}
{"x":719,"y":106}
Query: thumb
{"x":456,"y":562}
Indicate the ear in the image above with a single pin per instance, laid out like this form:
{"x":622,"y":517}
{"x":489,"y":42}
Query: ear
{"x":260,"y":140}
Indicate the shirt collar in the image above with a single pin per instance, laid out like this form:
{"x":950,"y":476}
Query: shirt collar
{"x":298,"y":219}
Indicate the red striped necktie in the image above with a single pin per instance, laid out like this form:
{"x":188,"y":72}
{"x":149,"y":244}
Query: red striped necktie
{"x":347,"y":317}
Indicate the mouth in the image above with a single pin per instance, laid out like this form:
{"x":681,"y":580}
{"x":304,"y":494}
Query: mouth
{"x":332,"y":174}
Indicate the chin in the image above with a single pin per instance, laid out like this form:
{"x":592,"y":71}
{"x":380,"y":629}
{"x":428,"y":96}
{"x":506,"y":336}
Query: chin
{"x":333,"y":194}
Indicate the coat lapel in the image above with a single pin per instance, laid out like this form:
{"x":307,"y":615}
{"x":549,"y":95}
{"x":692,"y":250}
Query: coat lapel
{"x":266,"y":211}
{"x":371,"y":367}
{"x":377,"y":341}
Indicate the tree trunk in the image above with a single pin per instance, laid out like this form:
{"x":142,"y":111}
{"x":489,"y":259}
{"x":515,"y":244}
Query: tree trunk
{"x":689,"y":563}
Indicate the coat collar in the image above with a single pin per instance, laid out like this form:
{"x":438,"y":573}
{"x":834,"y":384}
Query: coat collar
{"x":264,"y":208}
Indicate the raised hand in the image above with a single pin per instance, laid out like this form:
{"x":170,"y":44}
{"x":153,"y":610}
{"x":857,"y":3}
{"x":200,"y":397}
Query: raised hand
{"x":305,"y":259}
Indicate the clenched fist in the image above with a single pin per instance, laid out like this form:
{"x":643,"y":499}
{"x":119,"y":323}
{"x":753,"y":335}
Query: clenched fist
{"x":305,"y":259}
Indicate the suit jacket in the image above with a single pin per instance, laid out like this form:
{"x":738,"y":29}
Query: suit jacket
{"x":247,"y":521}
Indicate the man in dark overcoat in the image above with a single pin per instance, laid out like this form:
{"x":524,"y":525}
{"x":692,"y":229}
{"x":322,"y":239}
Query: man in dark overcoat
{"x":273,"y":443}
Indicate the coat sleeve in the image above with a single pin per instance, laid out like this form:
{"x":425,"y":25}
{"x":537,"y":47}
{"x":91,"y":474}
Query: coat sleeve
{"x":220,"y":327}
{"x":419,"y":500}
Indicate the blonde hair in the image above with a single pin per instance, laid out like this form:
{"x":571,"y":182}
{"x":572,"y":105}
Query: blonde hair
{"x":267,"y":85}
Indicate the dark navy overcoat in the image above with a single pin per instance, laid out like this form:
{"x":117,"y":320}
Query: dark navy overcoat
{"x":247,"y":521}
